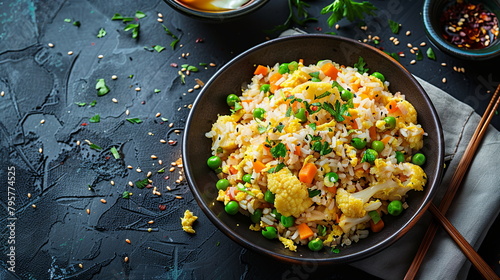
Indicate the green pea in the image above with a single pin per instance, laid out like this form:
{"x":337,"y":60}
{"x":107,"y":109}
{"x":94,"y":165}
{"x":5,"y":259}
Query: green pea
{"x":269,"y":232}
{"x":346,"y":95}
{"x":222,"y":184}
{"x":214,"y":162}
{"x":358,"y":143}
{"x":232,"y":99}
{"x":390,"y":122}
{"x":400,"y":157}
{"x":315,"y":244}
{"x":232,"y":207}
{"x":269,"y":196}
{"x":258,"y":113}
{"x":247,"y":178}
{"x":276,"y":214}
{"x":418,"y":159}
{"x":301,"y":114}
{"x":255,"y":217}
{"x":330,"y":179}
{"x":292,"y":66}
{"x":370,"y":156}
{"x":265,"y":87}
{"x":395,"y":207}
{"x":378,"y":146}
{"x":287,"y":221}
{"x":379,"y":76}
{"x":283,"y":68}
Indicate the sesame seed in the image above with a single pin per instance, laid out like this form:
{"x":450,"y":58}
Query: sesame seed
{"x":413,"y":61}
{"x":103,"y":200}
{"x":409,"y":45}
{"x":137,"y":89}
{"x":29,"y":195}
{"x":40,"y":150}
{"x":151,"y":222}
{"x":100,"y":56}
{"x":158,"y":115}
{"x":114,"y":100}
{"x":196,"y":86}
{"x":150,"y":229}
{"x":130,"y":183}
{"x":396,"y":42}
{"x":70,"y":52}
{"x":423,"y":44}
{"x":78,"y":142}
{"x":412,"y":51}
{"x":129,"y":166}
{"x":80,"y":265}
{"x":337,"y":26}
{"x":88,"y":211}
{"x":163,"y":141}
{"x":159,"y":19}
{"x":128,"y":241}
{"x":172,"y":169}
{"x":160,"y":162}
{"x":112,"y":183}
{"x":50,"y":45}
{"x":151,"y":133}
{"x":154,"y":157}
{"x":125,"y":259}
{"x":178,"y":197}
{"x":190,"y":90}
{"x":149,"y":174}
{"x":33,"y":205}
{"x":160,"y":15}
{"x":408,"y":33}
{"x":415,"y":49}
{"x":212,"y":64}
{"x":42,"y":121}
{"x":443,"y":64}
{"x":138,"y":170}
{"x":170,"y":124}
{"x":127,"y":112}
{"x":2,"y":93}
{"x":114,"y":77}
{"x":168,"y":188}
{"x":443,"y":80}
{"x":391,"y":38}
{"x":402,"y":55}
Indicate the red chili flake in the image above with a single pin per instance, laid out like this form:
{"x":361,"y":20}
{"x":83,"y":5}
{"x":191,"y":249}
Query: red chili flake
{"x":162,"y":207}
{"x":199,"y":40}
{"x":173,"y":64}
{"x":107,"y":157}
{"x":84,"y":124}
{"x":172,"y":142}
{"x":92,"y":44}
{"x":143,"y":102}
{"x":469,"y":26}
{"x":148,"y":186}
{"x":166,"y":177}
{"x":319,"y":28}
{"x":400,"y":53}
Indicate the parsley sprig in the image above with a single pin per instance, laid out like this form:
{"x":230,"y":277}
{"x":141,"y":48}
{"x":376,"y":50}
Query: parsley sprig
{"x":349,"y":9}
{"x":135,"y":27}
{"x":298,"y":14}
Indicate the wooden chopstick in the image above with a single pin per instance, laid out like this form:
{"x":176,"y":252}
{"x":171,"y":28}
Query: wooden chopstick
{"x":478,"y":262}
{"x":455,"y":183}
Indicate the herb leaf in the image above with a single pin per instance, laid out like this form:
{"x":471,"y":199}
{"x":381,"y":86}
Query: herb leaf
{"x":349,"y":9}
{"x":431,"y":54}
{"x":134,"y":120}
{"x":95,"y":147}
{"x":140,"y":15}
{"x":115,"y":152}
{"x":276,"y":168}
{"x":394,"y":26}
{"x":102,"y":32}
{"x":419,"y":54}
{"x":102,"y":88}
{"x":360,"y":65}
{"x":126,"y":194}
{"x":297,"y":14}
{"x":95,"y":119}
{"x":279,"y":151}
{"x":158,"y":48}
{"x":313,"y":193}
{"x":142,"y":183}
{"x":169,"y":33}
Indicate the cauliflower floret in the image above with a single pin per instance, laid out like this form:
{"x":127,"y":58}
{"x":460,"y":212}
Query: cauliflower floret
{"x":407,"y":176}
{"x":291,"y":195}
{"x":288,"y":243}
{"x":187,"y":221}
{"x":356,"y":204}
{"x":346,"y":223}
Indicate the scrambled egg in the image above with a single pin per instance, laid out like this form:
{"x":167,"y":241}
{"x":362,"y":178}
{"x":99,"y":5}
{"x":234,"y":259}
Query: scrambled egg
{"x":296,"y":78}
{"x":187,"y":221}
{"x":288,"y":243}
{"x":291,"y":195}
{"x":311,"y":90}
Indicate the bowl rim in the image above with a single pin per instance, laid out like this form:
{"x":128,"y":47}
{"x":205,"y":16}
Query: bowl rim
{"x":475,"y":54}
{"x":300,"y":259}
{"x":217,"y":16}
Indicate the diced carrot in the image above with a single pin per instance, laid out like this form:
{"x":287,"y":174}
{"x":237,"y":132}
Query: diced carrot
{"x":301,"y":60}
{"x":258,"y":166}
{"x":307,"y":172}
{"x":297,"y":151}
{"x":332,"y":189}
{"x":261,"y":70}
{"x":247,"y":100}
{"x":304,"y":231}
{"x":386,"y":139}
{"x":330,"y":70}
{"x":376,"y":227}
{"x":354,"y":124}
{"x":272,"y":82}
{"x":373,"y":132}
{"x":392,"y":106}
{"x":233,"y":170}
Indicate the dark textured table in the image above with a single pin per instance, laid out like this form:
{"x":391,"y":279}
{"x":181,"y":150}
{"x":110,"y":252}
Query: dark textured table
{"x":62,"y":208}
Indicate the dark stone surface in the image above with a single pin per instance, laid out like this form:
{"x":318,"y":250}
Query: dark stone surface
{"x":65,"y":179}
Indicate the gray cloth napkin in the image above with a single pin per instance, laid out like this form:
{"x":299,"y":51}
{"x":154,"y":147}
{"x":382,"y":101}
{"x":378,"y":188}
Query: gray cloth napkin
{"x":475,"y":206}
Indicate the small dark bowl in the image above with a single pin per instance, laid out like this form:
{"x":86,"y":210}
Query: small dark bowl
{"x":229,"y":79}
{"x":216,"y":16}
{"x":431,"y":16}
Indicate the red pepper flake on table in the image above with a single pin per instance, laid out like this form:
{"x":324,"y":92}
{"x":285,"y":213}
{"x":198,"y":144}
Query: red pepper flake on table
{"x":469,"y":26}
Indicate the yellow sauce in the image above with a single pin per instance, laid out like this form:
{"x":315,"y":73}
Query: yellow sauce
{"x":213,"y":5}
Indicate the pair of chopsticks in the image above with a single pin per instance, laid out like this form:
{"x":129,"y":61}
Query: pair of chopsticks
{"x":455,"y":183}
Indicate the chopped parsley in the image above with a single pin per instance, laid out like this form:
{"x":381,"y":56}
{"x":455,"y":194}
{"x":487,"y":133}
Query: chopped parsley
{"x":313,"y":193}
{"x":132,"y":26}
{"x":101,"y":87}
{"x":157,"y":90}
{"x":142,"y":183}
{"x":102,"y":32}
{"x":419,"y":54}
{"x":115,"y":153}
{"x":126,"y":194}
{"x":190,"y":68}
{"x":276,"y":168}
{"x":349,"y":9}
{"x":312,"y":126}
{"x":95,"y":147}
{"x":298,"y":14}
{"x":81,"y":104}
{"x":279,"y":150}
{"x":169,"y":33}
{"x":360,"y":65}
{"x":335,"y":250}
{"x":431,"y":54}
{"x":158,"y":48}
{"x":394,"y":26}
{"x":338,"y":111}
{"x":134,"y":120}
{"x":92,"y":104}
{"x":95,"y":119}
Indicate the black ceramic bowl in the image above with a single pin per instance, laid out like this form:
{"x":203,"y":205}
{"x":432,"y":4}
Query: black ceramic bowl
{"x":216,"y":16}
{"x":311,"y":48}
{"x":431,"y":14}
